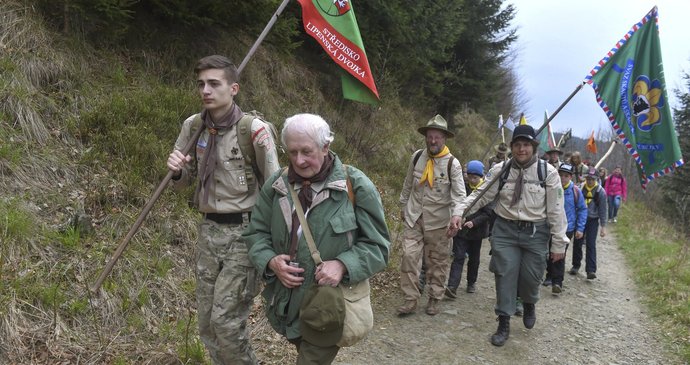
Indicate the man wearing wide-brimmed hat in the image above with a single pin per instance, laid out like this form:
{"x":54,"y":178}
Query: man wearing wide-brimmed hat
{"x":501,"y":154}
{"x":554,"y":156}
{"x":529,"y":210}
{"x":433,"y":189}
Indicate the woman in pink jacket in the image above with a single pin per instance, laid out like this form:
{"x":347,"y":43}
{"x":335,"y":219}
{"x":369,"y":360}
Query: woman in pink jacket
{"x":616,"y":188}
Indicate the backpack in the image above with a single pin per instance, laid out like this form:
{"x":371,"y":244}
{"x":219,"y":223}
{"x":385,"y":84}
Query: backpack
{"x":450,"y":163}
{"x":244,"y":139}
{"x":576,"y":197}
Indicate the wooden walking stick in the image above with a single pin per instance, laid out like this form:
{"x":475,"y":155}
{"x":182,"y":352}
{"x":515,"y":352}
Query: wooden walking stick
{"x":185,"y":151}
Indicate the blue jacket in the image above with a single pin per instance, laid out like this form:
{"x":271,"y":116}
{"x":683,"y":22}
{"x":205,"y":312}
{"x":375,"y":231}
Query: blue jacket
{"x":576,"y":213}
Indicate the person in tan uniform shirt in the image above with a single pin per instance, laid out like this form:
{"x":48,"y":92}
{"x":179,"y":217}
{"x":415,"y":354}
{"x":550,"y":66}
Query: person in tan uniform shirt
{"x":428,"y":200}
{"x":226,"y":279}
{"x":527,"y":215}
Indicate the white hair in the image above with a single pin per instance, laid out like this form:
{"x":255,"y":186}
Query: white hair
{"x":312,"y":125}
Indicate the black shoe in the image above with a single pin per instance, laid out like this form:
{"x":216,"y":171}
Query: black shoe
{"x":501,"y":336}
{"x":451,"y":293}
{"x":529,"y":317}
{"x":591,"y":275}
{"x":471,"y":288}
{"x":573,"y":270}
{"x":547,"y":282}
{"x":556,"y":289}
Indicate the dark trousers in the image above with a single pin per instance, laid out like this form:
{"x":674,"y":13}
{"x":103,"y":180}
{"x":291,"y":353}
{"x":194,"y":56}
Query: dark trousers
{"x":472,"y":248}
{"x":590,"y":240}
{"x":556,"y":270}
{"x":310,"y":354}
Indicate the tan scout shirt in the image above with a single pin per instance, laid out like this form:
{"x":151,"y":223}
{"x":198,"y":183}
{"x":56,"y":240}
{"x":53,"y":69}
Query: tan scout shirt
{"x":436,"y":204}
{"x":229,"y":193}
{"x":532,"y":206}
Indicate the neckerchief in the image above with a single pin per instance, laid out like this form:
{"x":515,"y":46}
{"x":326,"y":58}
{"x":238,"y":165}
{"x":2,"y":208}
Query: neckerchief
{"x":589,"y":192}
{"x":474,"y":187}
{"x":428,"y":174}
{"x":208,"y":162}
{"x":519,"y":180}
{"x":306,"y":194}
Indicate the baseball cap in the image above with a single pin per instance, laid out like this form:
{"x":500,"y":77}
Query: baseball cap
{"x":565,"y":167}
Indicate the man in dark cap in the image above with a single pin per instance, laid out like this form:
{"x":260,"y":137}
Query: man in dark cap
{"x":432,"y":191}
{"x":529,"y":210}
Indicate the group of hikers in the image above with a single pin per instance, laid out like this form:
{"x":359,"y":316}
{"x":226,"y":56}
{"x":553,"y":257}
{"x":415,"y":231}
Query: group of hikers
{"x":319,"y":223}
{"x":529,"y":208}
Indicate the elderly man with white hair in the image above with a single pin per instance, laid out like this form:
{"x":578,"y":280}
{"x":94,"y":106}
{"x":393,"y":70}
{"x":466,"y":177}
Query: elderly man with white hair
{"x":344,"y":213}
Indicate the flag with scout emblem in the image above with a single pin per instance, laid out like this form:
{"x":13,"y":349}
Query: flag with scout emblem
{"x":630,"y":88}
{"x":333,"y":24}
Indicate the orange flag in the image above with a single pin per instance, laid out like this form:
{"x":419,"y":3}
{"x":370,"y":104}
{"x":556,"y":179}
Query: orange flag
{"x":591,"y":145}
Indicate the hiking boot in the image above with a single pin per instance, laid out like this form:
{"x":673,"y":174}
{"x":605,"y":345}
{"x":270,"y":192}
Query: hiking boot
{"x":615,"y":220}
{"x":518,"y":307}
{"x":591,"y":276}
{"x":409,"y":307}
{"x":547,"y":282}
{"x":573,"y":270}
{"x":556,"y":289}
{"x":502,"y":332}
{"x":471,"y":288}
{"x":529,"y":318}
{"x":451,"y":293}
{"x":432,"y":307}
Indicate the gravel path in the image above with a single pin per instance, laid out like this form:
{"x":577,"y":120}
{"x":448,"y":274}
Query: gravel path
{"x":597,"y":321}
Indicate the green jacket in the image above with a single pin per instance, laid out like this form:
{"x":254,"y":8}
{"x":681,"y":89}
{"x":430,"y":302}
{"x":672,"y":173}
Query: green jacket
{"x":356,"y":236}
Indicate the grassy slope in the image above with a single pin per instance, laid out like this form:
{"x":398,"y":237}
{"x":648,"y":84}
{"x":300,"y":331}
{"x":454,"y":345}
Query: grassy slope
{"x":660,"y":259}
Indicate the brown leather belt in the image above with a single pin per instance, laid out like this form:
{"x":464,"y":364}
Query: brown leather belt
{"x":228,"y":218}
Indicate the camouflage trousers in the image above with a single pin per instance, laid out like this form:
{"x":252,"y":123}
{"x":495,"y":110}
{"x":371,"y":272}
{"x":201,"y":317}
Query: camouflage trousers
{"x":226,"y":287}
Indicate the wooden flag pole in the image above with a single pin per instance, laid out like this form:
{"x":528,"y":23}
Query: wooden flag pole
{"x":613,"y":144}
{"x":505,"y":165}
{"x":493,"y":139}
{"x":185,"y":151}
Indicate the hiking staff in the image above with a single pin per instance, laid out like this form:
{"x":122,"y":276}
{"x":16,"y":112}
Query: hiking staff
{"x":185,"y":151}
{"x":606,"y":154}
{"x":506,"y":164}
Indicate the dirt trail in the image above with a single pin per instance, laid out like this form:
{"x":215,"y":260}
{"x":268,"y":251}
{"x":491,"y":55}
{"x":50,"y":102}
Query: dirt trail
{"x":597,"y":321}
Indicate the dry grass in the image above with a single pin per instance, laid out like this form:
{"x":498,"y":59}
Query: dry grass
{"x":28,"y":75}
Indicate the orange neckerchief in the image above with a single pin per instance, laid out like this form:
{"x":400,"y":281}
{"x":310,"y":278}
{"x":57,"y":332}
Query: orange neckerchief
{"x":428,"y":174}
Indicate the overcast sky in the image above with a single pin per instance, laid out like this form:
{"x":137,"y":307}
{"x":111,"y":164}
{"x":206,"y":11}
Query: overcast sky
{"x":560,"y":41}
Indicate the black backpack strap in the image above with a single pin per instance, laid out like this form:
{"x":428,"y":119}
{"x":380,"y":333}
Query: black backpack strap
{"x":503,"y":178}
{"x":416,"y":157}
{"x":450,"y":166}
{"x":541,"y":173}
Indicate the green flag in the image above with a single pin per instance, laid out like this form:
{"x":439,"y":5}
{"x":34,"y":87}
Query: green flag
{"x":333,"y":24}
{"x":546,"y":143}
{"x":630,"y":88}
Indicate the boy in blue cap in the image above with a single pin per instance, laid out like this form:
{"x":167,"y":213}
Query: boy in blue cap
{"x":469,"y":239}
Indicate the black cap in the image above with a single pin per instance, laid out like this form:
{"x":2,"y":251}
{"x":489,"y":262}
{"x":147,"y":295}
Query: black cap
{"x":525,"y":131}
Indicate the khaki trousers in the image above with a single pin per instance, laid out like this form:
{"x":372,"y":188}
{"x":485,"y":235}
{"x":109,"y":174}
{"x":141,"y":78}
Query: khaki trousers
{"x":434,"y":246}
